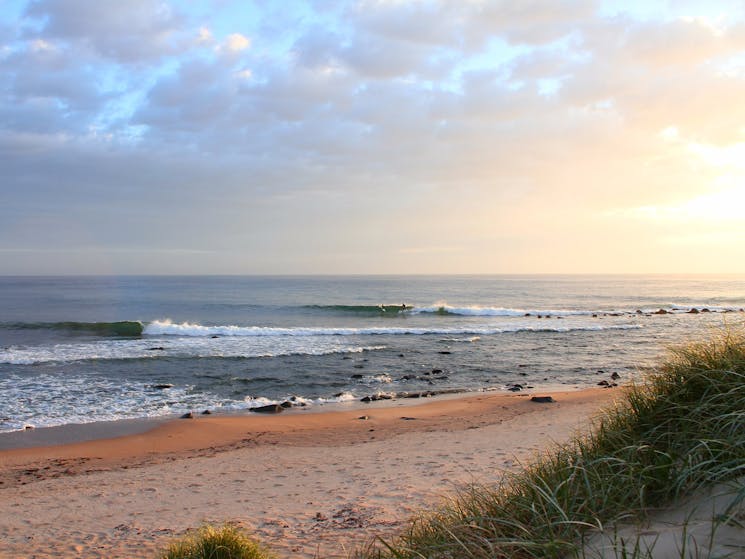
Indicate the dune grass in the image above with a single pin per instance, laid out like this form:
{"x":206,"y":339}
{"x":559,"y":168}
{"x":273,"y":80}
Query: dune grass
{"x":682,"y":429}
{"x":210,"y":542}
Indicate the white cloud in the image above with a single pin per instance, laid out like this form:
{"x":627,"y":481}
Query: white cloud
{"x":235,"y":43}
{"x":204,"y":36}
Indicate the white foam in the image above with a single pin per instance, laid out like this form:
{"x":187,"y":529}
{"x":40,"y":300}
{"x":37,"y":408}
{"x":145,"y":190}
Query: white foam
{"x":261,"y":342}
{"x":167,"y":328}
{"x":49,"y":400}
{"x":499,"y":311}
{"x":184,"y":348}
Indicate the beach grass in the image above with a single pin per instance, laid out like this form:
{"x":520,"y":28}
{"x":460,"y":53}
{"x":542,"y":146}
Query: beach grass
{"x":681,"y":429}
{"x":216,"y":542}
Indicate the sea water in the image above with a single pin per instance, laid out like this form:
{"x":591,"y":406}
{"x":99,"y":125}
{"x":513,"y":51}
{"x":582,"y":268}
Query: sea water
{"x":86,"y":349}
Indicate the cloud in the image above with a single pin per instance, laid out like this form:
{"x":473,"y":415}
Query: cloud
{"x":128,"y":32}
{"x":235,"y":42}
{"x":494,"y":127}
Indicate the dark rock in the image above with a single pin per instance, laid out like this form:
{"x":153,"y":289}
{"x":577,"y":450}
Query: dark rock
{"x":188,"y":415}
{"x":436,"y":371}
{"x":425,"y":394}
{"x":515,"y":388}
{"x":603,"y":383}
{"x":542,"y":399}
{"x":615,"y":376}
{"x":376,"y":398}
{"x":693,"y":311}
{"x":286,"y":404}
{"x":401,"y":355}
{"x":444,"y":352}
{"x":408,"y":418}
{"x":158,"y":348}
{"x":705,"y":310}
{"x":356,"y":377}
{"x":364,"y":417}
{"x":162,"y":386}
{"x":271,"y":408}
{"x":661,"y":311}
{"x":346,"y":357}
{"x":639,"y":311}
{"x":215,"y":337}
{"x":359,"y":366}
{"x":28,"y":427}
{"x":338,"y":394}
{"x":320,"y":517}
{"x":206,"y":412}
{"x":594,"y":316}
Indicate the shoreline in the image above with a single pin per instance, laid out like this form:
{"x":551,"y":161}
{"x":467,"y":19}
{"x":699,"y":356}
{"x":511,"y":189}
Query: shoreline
{"x":70,"y":433}
{"x":301,"y":482}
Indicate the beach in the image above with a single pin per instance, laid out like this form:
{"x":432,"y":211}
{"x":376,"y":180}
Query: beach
{"x":306,"y":483}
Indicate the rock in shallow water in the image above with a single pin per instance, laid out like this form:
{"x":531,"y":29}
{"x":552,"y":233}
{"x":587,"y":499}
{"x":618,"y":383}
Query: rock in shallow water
{"x":271,"y":408}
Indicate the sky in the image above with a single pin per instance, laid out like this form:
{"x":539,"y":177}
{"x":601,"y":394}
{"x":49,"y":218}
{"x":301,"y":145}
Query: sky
{"x":372,"y":137}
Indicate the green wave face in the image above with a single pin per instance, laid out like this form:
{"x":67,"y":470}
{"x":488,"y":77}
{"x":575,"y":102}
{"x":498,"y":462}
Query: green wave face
{"x":125,"y":328}
{"x":364,"y":309}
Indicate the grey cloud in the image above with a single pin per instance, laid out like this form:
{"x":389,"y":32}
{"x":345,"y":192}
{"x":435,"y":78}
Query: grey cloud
{"x":132,"y":31}
{"x":318,"y":48}
{"x":198,"y":95}
{"x":532,"y":22}
{"x":428,"y":23}
{"x":41,"y":75}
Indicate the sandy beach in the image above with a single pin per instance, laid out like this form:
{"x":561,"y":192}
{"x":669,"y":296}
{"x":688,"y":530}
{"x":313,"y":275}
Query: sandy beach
{"x":308,"y":484}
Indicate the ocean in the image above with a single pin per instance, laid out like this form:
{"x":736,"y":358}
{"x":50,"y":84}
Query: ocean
{"x":88,"y":349}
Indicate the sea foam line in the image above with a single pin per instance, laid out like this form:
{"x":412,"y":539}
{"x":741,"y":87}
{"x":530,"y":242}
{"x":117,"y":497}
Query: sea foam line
{"x":188,"y":348}
{"x":444,"y":309}
{"x":168,"y":328}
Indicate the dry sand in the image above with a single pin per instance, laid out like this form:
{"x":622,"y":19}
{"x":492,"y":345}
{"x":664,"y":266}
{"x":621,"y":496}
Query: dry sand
{"x":307,"y":484}
{"x":708,"y":524}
